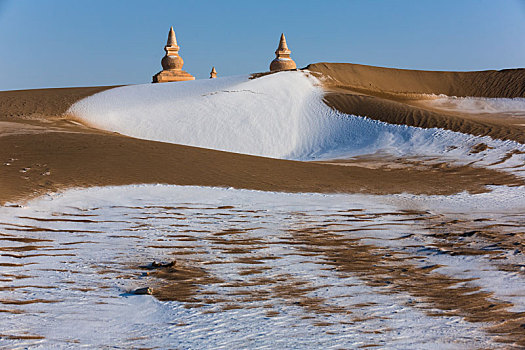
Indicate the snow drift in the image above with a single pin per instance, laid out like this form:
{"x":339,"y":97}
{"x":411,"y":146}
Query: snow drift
{"x":280,"y":115}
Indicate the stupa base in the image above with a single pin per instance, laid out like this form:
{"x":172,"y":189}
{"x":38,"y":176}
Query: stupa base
{"x":166,"y":76}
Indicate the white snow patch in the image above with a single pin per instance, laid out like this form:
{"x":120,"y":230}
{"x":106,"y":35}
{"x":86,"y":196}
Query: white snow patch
{"x":507,"y":106}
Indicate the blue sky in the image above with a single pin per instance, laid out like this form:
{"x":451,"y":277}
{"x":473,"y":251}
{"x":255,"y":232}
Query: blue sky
{"x":59,"y":43}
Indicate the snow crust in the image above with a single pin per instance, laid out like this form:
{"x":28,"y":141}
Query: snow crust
{"x":280,"y":115}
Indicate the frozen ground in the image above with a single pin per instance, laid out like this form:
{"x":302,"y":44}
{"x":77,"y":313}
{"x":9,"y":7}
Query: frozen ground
{"x":275,"y":270}
{"x":283,"y":116}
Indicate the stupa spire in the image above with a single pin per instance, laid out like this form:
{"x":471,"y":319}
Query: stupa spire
{"x":213,"y":73}
{"x":172,"y":40}
{"x":172,"y":63}
{"x":282,"y":59}
{"x":282,"y":44}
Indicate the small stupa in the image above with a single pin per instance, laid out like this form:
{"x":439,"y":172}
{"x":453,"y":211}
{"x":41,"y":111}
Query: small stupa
{"x":282,"y":59}
{"x":213,"y":73}
{"x":172,"y":63}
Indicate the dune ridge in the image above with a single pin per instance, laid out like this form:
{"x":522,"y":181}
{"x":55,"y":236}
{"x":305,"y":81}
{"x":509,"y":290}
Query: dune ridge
{"x":43,"y":103}
{"x":507,"y":83}
{"x":397,"y":96}
{"x":48,"y":162}
{"x":280,"y":115}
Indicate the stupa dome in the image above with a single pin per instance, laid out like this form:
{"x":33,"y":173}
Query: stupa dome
{"x":172,"y":62}
{"x":282,"y":59}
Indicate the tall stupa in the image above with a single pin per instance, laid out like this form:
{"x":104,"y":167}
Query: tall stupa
{"x":172,"y":63}
{"x":282,"y":59}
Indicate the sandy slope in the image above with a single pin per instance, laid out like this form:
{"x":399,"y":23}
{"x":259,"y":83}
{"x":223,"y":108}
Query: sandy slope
{"x":398,"y":96}
{"x":42,"y":103}
{"x":403,"y":82}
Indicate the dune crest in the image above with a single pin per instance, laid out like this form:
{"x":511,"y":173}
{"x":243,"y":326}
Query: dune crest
{"x":400,"y":96}
{"x":508,"y":83}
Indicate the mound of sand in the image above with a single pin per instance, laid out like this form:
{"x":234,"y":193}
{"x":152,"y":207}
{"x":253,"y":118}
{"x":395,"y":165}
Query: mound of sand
{"x":42,"y":103}
{"x":507,"y":83}
{"x":409,"y":113}
{"x":397,"y":96}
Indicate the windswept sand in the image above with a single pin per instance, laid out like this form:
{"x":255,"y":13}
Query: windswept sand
{"x":398,"y":96}
{"x":42,"y":103}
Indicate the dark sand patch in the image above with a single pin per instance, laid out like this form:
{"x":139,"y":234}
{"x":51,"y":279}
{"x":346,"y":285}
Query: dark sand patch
{"x":21,"y":337}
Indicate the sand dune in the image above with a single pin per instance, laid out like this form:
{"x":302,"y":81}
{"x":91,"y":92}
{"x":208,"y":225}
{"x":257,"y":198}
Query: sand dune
{"x":507,"y":83}
{"x":409,"y":113}
{"x":42,"y":151}
{"x":80,"y":157}
{"x":280,"y":115}
{"x":397,"y":96}
{"x":42,"y":103}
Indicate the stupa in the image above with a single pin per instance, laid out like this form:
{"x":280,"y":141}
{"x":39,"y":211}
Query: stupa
{"x":172,"y":63}
{"x":213,"y":73}
{"x":282,"y":59}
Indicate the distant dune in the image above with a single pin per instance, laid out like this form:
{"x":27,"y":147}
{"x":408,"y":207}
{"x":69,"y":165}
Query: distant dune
{"x":42,"y":103}
{"x":398,"y":96}
{"x":508,"y":83}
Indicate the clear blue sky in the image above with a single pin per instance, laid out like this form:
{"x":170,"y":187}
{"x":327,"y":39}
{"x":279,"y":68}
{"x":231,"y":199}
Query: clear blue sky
{"x":58,"y":43}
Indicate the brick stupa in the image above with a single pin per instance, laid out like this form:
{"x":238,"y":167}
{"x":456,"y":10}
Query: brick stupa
{"x":282,"y":59}
{"x":172,"y":63}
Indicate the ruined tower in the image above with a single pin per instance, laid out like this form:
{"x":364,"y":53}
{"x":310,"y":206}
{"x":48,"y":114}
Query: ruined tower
{"x":282,"y":59}
{"x":172,"y":63}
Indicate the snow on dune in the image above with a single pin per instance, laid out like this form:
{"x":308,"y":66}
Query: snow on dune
{"x":508,"y":106}
{"x":261,"y":117}
{"x":279,"y":115}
